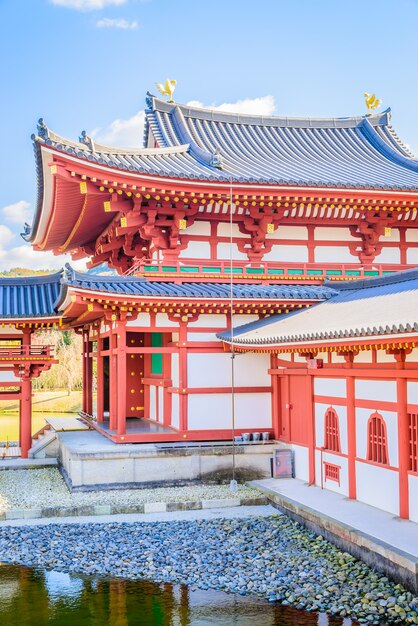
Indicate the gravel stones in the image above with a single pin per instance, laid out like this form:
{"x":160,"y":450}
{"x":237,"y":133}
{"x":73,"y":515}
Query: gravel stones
{"x":272,"y":557}
{"x":28,"y":489}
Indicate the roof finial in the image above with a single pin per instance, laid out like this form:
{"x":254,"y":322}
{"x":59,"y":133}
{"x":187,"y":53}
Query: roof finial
{"x":167,"y":89}
{"x":371,"y":102}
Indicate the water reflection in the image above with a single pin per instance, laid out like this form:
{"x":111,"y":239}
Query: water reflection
{"x":37,"y":598}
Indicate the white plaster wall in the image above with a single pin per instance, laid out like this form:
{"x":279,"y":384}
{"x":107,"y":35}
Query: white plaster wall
{"x":214,"y":370}
{"x":365,"y":356}
{"x":391,"y":421}
{"x":289,"y":232}
{"x":175,"y":370}
{"x":413,"y":356}
{"x":301,"y":459}
{"x":161,"y":319}
{"x":388,"y":255}
{"x":333,"y":254}
{"x":141,"y":321}
{"x":209,"y":370}
{"x":224,"y":230}
{"x":160,"y":391}
{"x":412,"y":392}
{"x":335,"y":387}
{"x":152,"y":403}
{"x":209,"y":321}
{"x":211,"y":336}
{"x":320,"y":410}
{"x":253,"y":410}
{"x":240,"y":320}
{"x":329,"y":233}
{"x":337,"y":358}
{"x":342,"y":462}
{"x":209,"y":411}
{"x":195,"y":250}
{"x":223,"y":252}
{"x":411,"y":234}
{"x":287,"y":253}
{"x":175,"y":410}
{"x":378,"y":487}
{"x":376,"y":390}
{"x":412,"y":256}
{"x":8,"y":377}
{"x":413,"y":498}
{"x":198,"y":228}
{"x":383,"y":357}
{"x":394,"y":236}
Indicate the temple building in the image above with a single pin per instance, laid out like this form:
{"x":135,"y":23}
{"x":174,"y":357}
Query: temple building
{"x":280,"y":242}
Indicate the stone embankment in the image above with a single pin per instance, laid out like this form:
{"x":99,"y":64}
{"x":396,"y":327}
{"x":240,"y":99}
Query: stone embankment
{"x":39,"y":493}
{"x":272,"y":557}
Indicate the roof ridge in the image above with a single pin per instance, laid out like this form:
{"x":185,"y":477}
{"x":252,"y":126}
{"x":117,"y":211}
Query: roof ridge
{"x":40,"y":279}
{"x":377,"y":119}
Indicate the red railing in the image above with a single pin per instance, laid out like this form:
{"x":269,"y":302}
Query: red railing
{"x":12,"y":353}
{"x":272,"y":270}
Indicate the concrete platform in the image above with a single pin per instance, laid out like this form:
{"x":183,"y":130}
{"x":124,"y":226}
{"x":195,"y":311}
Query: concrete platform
{"x":90,"y":460}
{"x":387,"y":543}
{"x":18,"y":463}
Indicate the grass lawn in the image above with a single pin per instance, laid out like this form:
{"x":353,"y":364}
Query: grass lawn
{"x":48,"y":402}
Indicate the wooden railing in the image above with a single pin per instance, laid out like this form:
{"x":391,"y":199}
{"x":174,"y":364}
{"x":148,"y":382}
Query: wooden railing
{"x":12,"y":352}
{"x":198,"y":269}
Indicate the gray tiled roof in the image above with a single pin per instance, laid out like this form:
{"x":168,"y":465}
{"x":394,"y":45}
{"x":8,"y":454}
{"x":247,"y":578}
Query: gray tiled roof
{"x":367,"y":308}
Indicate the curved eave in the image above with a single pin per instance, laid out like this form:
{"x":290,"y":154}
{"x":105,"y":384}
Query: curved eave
{"x":383,"y":340}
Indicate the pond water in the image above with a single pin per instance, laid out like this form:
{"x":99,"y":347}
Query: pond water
{"x":9,"y":423}
{"x":46,"y":598}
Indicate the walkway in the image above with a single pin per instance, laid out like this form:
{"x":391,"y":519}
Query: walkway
{"x":227,"y":512}
{"x":388,"y":543}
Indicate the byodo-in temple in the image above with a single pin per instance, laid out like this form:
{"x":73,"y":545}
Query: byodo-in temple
{"x":289,"y":244}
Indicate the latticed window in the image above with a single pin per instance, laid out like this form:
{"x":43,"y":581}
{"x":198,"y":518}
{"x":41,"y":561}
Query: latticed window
{"x":413,"y":442}
{"x":377,"y":449}
{"x":332,"y":431}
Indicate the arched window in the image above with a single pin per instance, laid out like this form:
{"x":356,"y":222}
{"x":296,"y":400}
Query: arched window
{"x":332,"y":431}
{"x":377,"y":449}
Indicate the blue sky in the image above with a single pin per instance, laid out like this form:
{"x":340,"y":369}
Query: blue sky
{"x":87,"y":64}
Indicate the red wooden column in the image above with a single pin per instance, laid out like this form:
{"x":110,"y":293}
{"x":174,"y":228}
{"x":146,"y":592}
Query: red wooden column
{"x":403,"y":447}
{"x":25,"y":426}
{"x":121,"y":377}
{"x":88,"y":371}
{"x":275,"y":397}
{"x":100,"y":381}
{"x":351,"y":438}
{"x":25,"y":418}
{"x":113,"y":385}
{"x":310,"y":422}
{"x":183,"y":398}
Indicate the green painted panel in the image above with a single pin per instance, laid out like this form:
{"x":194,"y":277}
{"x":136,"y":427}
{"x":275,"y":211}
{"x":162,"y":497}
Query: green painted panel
{"x":191,"y":270}
{"x":295,"y":272}
{"x":315,"y":272}
{"x":235,"y":270}
{"x":352,"y":273}
{"x":274,"y":271}
{"x":333,"y":272}
{"x":156,"y":358}
{"x":150,"y":268}
{"x":211,"y":270}
{"x":169,"y":268}
{"x":255,"y":270}
{"x":371,"y":273}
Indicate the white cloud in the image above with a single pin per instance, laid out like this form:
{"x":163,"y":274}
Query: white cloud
{"x":129,"y":132}
{"x":120,"y":22}
{"x":264,"y":105}
{"x":124,"y":133}
{"x":87,"y":5}
{"x":6,"y":235}
{"x":17,"y":213}
{"x":26,"y":256}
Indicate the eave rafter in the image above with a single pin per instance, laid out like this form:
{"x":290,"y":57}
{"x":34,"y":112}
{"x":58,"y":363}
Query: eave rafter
{"x":84,"y":308}
{"x":153,"y":213}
